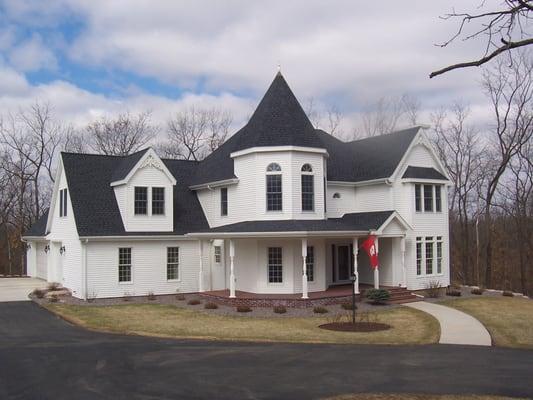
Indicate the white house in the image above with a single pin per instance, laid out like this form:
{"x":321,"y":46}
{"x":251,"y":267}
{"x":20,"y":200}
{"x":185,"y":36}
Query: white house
{"x":280,"y":208}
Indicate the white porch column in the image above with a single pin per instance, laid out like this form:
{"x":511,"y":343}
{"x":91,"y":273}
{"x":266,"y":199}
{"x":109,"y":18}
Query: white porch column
{"x":404,"y":269}
{"x":376,"y":270}
{"x":231,"y":269}
{"x":304,"y":270}
{"x":201,"y":272}
{"x":355,"y":272}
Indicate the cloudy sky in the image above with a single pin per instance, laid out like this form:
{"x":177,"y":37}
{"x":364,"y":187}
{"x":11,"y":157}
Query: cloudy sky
{"x":96,"y":57}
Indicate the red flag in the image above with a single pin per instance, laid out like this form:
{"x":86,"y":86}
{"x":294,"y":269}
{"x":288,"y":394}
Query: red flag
{"x":369,"y":245}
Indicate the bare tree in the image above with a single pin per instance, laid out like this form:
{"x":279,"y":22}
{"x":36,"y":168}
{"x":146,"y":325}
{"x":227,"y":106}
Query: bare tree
{"x":459,"y":147}
{"x":504,"y":29}
{"x":194,"y":133}
{"x":510,"y":90}
{"x":122,"y":135}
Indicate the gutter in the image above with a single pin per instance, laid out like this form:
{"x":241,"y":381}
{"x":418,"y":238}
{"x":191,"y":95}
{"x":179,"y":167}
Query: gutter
{"x":209,"y":185}
{"x":276,"y":234}
{"x":360,"y":183}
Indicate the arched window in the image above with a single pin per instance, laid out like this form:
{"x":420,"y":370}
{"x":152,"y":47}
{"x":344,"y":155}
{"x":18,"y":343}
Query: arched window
{"x":274,"y":193}
{"x":307,"y":168}
{"x":308,"y":188}
{"x":336,"y":195}
{"x":273,"y":167}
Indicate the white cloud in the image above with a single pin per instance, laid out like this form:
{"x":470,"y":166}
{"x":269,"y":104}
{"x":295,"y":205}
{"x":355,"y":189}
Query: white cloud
{"x":32,"y":55}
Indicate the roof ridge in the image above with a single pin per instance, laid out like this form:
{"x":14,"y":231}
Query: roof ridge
{"x":403,"y":130}
{"x":105,"y":155}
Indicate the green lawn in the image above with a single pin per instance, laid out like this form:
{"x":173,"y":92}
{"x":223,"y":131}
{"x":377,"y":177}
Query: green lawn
{"x":508,"y":319}
{"x":408,"y":326}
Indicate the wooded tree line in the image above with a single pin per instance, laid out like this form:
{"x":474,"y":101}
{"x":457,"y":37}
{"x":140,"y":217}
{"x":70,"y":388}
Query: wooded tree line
{"x":491,"y":201}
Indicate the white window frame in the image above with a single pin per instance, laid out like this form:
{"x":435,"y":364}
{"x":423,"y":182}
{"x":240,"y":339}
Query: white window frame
{"x":178,"y":279}
{"x":130,"y":282}
{"x":217,"y":254}
{"x":433,"y":198}
{"x":273,"y":168}
{"x":435,"y":240}
{"x":307,"y":170}
{"x":268,"y":267}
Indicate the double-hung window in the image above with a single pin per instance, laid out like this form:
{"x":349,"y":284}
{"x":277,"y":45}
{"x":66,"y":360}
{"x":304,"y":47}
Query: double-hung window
{"x":158,"y":201}
{"x":173,"y":262}
{"x":218,"y":254}
{"x":63,"y":203}
{"x":275,"y":265}
{"x":419,"y":255}
{"x":274,"y":192}
{"x":308,"y":188}
{"x":310,"y":264}
{"x":429,"y":255}
{"x":141,"y":200}
{"x":428,"y":198}
{"x":224,"y":201}
{"x":124,"y":264}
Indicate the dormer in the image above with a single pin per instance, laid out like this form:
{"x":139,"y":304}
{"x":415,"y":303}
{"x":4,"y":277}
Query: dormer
{"x":144,"y":189}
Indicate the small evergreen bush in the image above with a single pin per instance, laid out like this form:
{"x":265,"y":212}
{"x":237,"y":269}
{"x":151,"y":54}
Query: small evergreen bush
{"x":210,"y":306}
{"x":347,"y":306}
{"x":477,"y":291}
{"x":243,"y":309}
{"x":320,"y":310}
{"x":453,"y":292}
{"x":378,"y":296}
{"x":194,"y":302}
{"x":151,"y":296}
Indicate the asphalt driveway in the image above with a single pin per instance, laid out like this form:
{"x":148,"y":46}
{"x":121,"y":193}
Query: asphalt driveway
{"x":18,"y":289}
{"x":43,"y":357}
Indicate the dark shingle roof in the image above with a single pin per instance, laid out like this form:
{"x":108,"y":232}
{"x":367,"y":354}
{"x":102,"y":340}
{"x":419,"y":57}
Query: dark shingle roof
{"x":423,"y":173}
{"x":126,"y":164}
{"x":349,"y":222}
{"x":278,"y":120}
{"x":93,"y":199}
{"x":38,"y":228}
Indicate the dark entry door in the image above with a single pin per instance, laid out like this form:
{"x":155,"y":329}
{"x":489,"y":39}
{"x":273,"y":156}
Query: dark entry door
{"x":343,"y":260}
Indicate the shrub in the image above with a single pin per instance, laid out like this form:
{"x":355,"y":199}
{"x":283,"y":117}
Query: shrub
{"x":39,"y":293}
{"x":126,"y":297}
{"x":347,"y":306}
{"x":433,"y":289}
{"x":210,"y":306}
{"x":453,"y":292}
{"x":91,"y":297}
{"x":243,"y":309}
{"x":180,"y":297}
{"x":151,"y":296}
{"x":53,"y":298}
{"x":477,"y":291}
{"x":507,"y":293}
{"x":194,"y":302}
{"x":280,"y":309}
{"x":320,"y":310}
{"x":378,"y":296}
{"x":53,"y":286}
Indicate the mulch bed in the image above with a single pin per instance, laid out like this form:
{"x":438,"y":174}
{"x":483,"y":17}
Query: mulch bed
{"x":358,"y":327}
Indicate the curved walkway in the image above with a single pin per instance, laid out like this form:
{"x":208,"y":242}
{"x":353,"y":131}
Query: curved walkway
{"x":456,"y":327}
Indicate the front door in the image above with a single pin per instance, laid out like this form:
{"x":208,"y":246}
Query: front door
{"x":342,"y":263}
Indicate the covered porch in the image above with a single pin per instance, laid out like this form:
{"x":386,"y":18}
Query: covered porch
{"x":290,"y":265}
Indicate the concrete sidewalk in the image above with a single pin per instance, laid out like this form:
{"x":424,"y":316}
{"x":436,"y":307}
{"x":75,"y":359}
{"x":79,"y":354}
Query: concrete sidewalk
{"x":456,"y":327}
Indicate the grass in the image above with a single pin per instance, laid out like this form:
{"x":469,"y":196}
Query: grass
{"x":508,"y":319}
{"x":387,"y":396}
{"x":409,"y":326}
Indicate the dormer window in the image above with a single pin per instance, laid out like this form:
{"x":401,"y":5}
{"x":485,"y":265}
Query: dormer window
{"x":63,"y":203}
{"x":308,"y":188}
{"x":141,"y":200}
{"x":274,"y":192}
{"x":158,"y":201}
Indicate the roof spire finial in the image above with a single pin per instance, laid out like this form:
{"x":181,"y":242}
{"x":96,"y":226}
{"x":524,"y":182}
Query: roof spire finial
{"x":279,"y":68}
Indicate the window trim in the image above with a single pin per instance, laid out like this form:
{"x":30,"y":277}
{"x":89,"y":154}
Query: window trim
{"x":312,"y":264}
{"x":281,"y":283}
{"x":152,"y":200}
{"x":437,"y":206}
{"x":307,"y":170}
{"x":224,"y":202}
{"x":135,"y":213}
{"x":63,"y":203}
{"x":130,"y":282}
{"x":435,"y":241}
{"x":178,"y":279}
{"x":276,"y":173}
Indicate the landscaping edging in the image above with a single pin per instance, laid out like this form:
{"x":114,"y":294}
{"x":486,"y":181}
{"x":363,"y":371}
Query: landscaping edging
{"x":269,"y":303}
